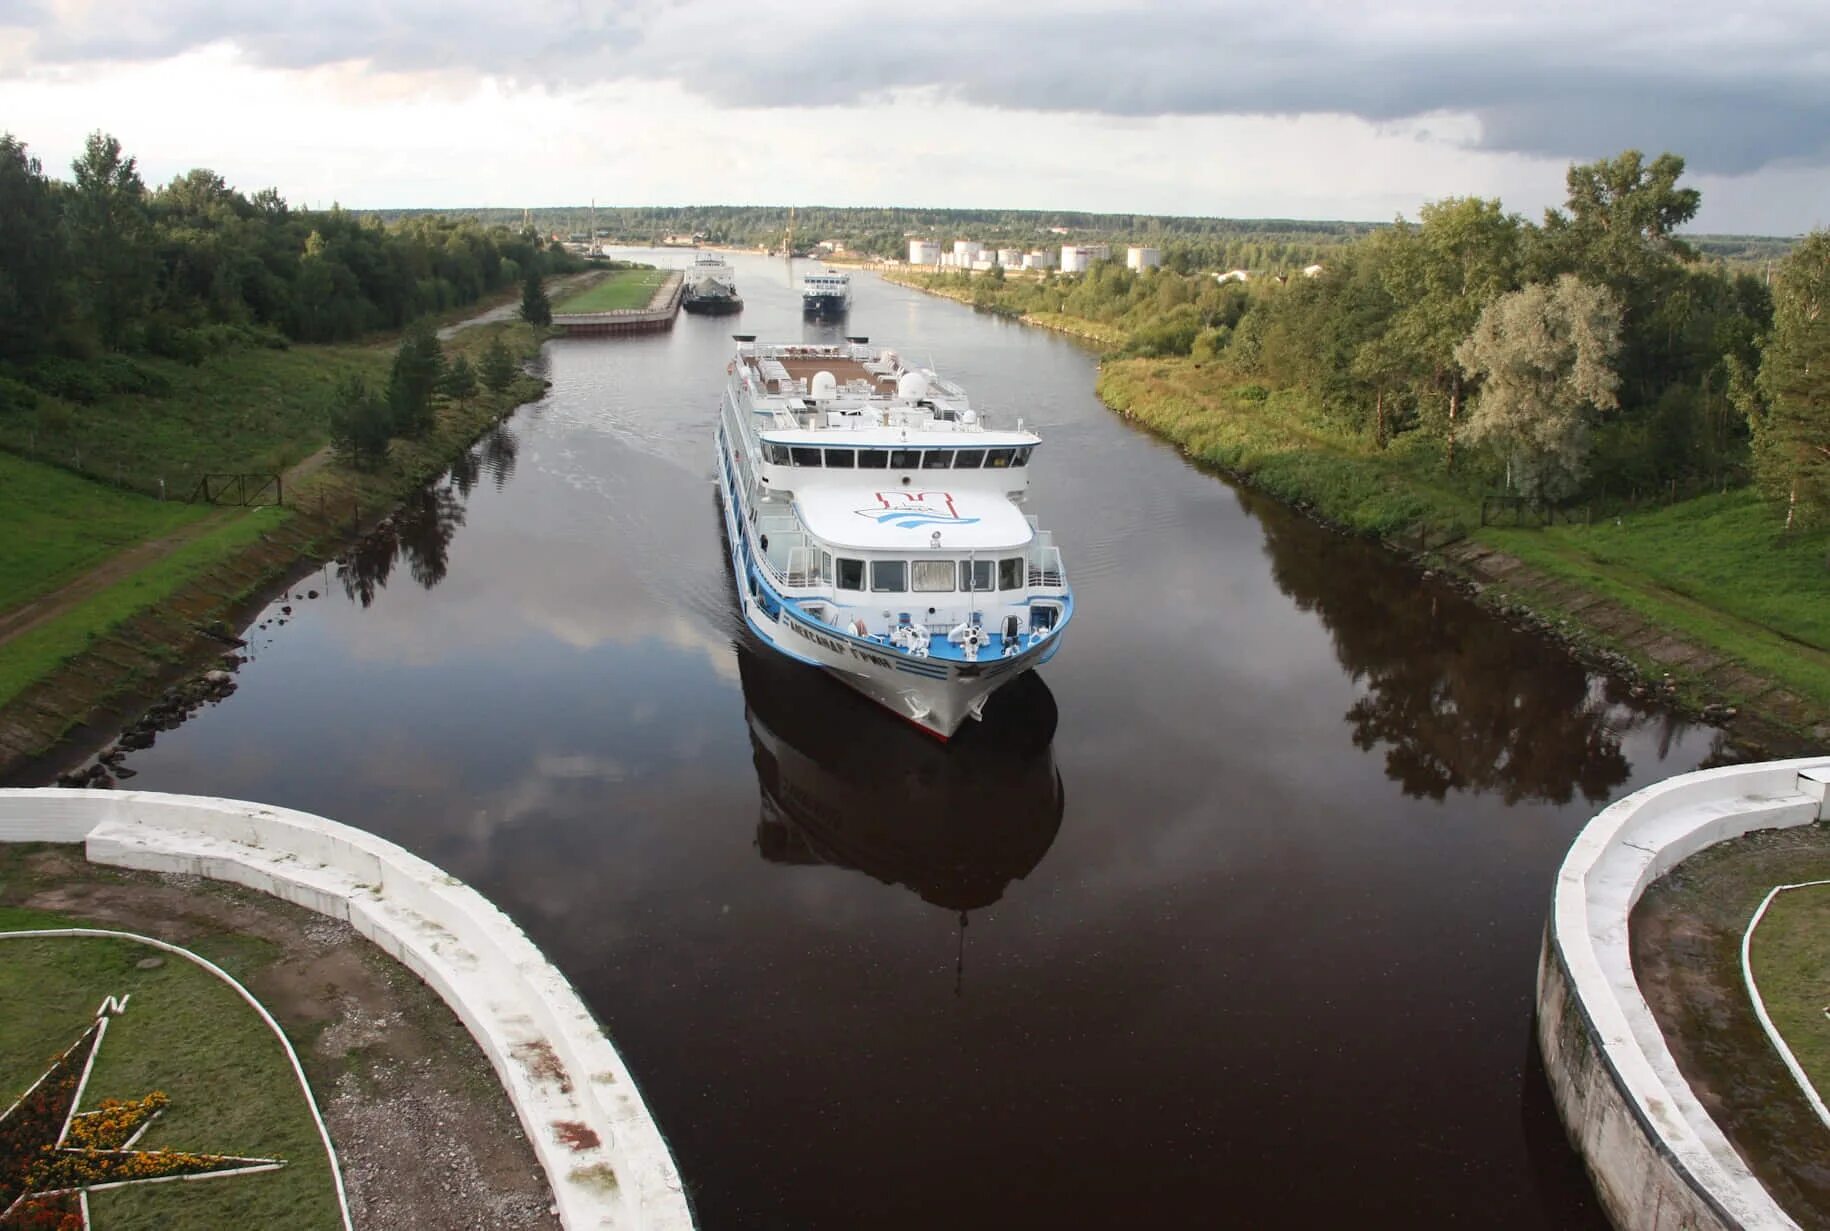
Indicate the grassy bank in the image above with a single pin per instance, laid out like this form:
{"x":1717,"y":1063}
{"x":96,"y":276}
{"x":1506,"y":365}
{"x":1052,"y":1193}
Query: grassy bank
{"x":42,"y":545}
{"x":215,"y":568}
{"x":36,"y":652}
{"x":187,"y":1034}
{"x":247,"y":408}
{"x":1715,"y":570}
{"x":621,"y":288}
{"x":1109,"y":336}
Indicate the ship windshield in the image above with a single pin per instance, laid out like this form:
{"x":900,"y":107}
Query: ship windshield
{"x":890,"y":576}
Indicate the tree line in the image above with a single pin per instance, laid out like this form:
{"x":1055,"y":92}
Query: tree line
{"x":102,"y":264}
{"x":1594,"y":350}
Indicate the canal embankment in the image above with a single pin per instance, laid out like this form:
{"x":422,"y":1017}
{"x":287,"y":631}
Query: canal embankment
{"x":1694,"y":602}
{"x":83,"y":657}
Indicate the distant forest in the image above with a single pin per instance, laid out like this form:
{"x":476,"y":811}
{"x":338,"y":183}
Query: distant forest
{"x":101,"y":267}
{"x":1188,"y":244}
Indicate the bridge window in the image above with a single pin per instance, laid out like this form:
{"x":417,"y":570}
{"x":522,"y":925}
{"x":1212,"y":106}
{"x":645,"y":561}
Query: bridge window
{"x":851,"y":574}
{"x":998,"y":459}
{"x":905,"y":459}
{"x":976,"y":574}
{"x":826,"y":568}
{"x":839,"y":459}
{"x":890,"y":576}
{"x":873,"y":459}
{"x":933,"y":575}
{"x":776,"y":455}
{"x":969,"y":459}
{"x":1022,"y":457}
{"x":1010,"y":573}
{"x":806,"y":457}
{"x":937,"y":459}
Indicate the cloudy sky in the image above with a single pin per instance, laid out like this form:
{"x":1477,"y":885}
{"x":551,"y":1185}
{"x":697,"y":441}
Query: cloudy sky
{"x":1242,"y":108}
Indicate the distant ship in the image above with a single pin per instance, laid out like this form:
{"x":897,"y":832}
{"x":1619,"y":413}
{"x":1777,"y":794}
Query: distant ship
{"x":826,"y":294}
{"x":711,"y":287}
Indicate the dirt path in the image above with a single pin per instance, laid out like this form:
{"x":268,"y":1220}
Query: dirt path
{"x":512,"y":309}
{"x":47,"y":607}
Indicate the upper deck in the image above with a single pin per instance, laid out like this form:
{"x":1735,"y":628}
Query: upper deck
{"x":808,"y":394}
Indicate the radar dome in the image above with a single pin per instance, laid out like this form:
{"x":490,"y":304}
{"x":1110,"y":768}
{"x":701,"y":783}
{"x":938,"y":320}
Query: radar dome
{"x":825,"y":384}
{"x":913,"y":386}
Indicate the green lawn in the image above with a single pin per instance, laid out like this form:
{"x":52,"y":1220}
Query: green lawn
{"x":1788,"y":959}
{"x":248,"y":409}
{"x":621,"y":288}
{"x":186,"y":1033}
{"x":55,"y":525}
{"x":27,"y":657}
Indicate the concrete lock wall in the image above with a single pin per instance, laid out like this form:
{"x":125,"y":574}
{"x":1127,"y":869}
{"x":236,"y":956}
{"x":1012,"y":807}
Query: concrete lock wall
{"x":1659,"y":1162}
{"x":602,"y":1152}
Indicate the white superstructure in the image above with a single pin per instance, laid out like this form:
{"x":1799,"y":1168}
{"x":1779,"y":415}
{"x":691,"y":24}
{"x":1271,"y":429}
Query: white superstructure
{"x":876,"y":528}
{"x":826,"y":294}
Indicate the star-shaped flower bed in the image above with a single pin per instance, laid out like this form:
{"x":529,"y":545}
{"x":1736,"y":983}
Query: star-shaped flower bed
{"x":50,"y":1154}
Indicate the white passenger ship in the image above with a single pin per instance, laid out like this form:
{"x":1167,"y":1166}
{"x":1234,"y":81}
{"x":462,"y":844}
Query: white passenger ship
{"x":876,"y":528}
{"x":826,"y":294}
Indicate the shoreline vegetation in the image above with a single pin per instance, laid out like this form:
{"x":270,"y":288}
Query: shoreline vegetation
{"x":1710,"y":585}
{"x":160,"y":339}
{"x":158,"y":345}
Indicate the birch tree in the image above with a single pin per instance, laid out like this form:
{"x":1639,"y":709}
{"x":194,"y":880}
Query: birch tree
{"x":1545,"y":358}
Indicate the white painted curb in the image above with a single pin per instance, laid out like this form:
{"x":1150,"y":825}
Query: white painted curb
{"x":292,"y":1057}
{"x":559,"y":1069}
{"x":1614,"y":859}
{"x":1766,"y":1021}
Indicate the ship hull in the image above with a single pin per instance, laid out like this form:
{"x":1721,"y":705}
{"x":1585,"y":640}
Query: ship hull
{"x":712,"y":305}
{"x":825,"y":306}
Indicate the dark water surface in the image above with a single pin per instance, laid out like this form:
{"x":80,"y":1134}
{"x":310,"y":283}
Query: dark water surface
{"x":1230,"y":917}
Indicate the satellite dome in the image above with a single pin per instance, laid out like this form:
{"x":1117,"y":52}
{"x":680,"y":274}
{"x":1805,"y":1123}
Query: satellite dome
{"x":913,"y":386}
{"x":825,"y":384}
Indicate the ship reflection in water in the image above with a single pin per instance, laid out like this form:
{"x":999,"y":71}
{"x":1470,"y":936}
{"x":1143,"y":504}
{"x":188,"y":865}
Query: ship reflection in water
{"x":847,"y":784}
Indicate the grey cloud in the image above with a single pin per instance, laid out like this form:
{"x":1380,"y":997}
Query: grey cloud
{"x":1732,"y":91}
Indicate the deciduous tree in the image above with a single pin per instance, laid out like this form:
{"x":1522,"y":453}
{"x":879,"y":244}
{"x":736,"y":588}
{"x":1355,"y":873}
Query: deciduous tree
{"x":1545,"y":354}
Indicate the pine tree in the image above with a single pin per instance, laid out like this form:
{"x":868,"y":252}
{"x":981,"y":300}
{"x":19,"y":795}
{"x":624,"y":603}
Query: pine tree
{"x":360,"y":425}
{"x":419,"y":365}
{"x":535,"y":309}
{"x":498,"y":368}
{"x":460,"y":383}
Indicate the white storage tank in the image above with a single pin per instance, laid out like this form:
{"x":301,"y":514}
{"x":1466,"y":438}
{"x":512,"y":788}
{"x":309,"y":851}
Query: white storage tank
{"x":1140,"y":259}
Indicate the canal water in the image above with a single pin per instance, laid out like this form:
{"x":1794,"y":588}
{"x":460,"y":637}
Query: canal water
{"x":1229,"y":917}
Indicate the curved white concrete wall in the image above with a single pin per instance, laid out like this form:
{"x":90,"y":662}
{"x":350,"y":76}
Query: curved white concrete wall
{"x":1657,"y":1158}
{"x":565,"y":1079}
